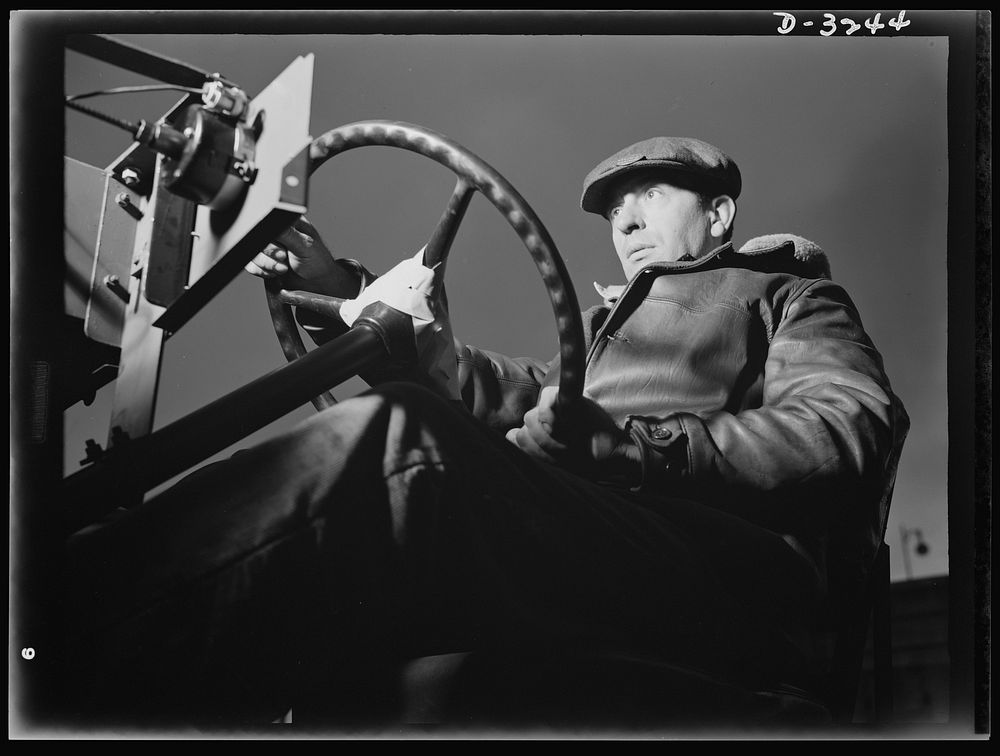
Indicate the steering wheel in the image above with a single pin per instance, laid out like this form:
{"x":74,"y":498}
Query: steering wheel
{"x":473,"y":175}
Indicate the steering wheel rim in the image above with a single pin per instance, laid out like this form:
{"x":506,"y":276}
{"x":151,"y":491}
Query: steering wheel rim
{"x":474,"y":174}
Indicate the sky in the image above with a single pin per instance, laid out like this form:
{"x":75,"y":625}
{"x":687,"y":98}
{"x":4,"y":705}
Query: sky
{"x":842,"y":140}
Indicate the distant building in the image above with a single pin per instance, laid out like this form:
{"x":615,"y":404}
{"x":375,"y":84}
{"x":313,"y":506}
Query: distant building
{"x":919,"y":654}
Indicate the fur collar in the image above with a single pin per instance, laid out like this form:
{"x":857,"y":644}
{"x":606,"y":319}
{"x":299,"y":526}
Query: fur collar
{"x":801,"y":256}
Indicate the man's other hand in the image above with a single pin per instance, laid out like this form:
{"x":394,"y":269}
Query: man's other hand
{"x":581,"y":437}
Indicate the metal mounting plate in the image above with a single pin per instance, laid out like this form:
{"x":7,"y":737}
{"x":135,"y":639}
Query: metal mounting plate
{"x":225,"y":241}
{"x":99,"y":237}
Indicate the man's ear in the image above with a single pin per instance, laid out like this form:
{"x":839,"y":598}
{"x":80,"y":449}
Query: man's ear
{"x":722,"y":213}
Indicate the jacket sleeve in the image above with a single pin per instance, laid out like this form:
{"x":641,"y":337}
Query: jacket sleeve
{"x":824,"y":431}
{"x":497,"y":389}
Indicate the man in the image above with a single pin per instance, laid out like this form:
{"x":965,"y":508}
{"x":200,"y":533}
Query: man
{"x":736,"y":427}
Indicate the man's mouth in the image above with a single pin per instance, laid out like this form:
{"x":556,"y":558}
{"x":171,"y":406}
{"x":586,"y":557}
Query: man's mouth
{"x":636,"y":249}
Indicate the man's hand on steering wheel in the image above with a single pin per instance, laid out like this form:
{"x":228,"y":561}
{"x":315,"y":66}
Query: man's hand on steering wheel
{"x":581,"y":437}
{"x":302,"y":260}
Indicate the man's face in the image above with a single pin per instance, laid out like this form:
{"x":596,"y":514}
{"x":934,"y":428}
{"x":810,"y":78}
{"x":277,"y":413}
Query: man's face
{"x":654,"y":221}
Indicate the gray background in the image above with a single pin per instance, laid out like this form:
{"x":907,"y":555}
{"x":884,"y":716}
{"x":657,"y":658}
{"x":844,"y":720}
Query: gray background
{"x":841,"y":140}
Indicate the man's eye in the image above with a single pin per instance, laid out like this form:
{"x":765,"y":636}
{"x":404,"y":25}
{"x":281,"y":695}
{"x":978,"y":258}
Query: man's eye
{"x":651,"y":193}
{"x":615,"y":212}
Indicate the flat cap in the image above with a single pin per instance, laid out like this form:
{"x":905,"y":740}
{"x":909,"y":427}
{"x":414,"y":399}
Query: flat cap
{"x":698,"y":163}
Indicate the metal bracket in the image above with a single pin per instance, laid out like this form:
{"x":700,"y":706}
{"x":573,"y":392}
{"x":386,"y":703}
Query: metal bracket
{"x":141,"y":341}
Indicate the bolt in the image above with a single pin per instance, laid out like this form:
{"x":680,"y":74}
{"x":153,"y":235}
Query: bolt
{"x":131,"y":177}
{"x":125,"y":203}
{"x":94,"y":452}
{"x":246,"y":171}
{"x":114,"y":284}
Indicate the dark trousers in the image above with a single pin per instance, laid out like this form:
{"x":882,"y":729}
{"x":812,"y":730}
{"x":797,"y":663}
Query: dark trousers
{"x":394,"y":526}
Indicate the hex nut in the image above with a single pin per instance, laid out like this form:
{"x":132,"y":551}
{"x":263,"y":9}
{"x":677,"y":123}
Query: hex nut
{"x":131,"y":177}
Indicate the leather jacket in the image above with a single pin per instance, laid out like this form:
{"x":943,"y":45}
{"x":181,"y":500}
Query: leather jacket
{"x":749,"y":383}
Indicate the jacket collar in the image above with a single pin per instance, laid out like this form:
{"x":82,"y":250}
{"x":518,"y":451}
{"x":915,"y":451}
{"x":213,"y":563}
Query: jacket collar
{"x":773,"y":253}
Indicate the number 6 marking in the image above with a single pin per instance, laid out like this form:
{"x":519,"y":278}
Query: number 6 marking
{"x":28,"y":653}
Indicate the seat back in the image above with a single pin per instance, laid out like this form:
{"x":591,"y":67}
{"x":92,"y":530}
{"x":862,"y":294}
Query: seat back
{"x":873,"y":612}
{"x":863,"y":603}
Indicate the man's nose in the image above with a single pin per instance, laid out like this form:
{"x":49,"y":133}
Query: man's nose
{"x":629,"y":218}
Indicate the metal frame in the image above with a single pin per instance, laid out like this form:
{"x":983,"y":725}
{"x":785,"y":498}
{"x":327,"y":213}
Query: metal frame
{"x":179,"y":256}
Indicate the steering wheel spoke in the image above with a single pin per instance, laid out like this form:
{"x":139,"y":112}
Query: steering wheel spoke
{"x":279,"y":304}
{"x":436,"y":252}
{"x":321,"y":304}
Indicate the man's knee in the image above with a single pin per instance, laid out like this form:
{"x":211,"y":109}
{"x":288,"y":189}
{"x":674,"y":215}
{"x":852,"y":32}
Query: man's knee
{"x":370,"y":403}
{"x":403,"y":400}
{"x":375,"y":418}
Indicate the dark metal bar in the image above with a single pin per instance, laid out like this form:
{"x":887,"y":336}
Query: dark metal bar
{"x":148,"y":461}
{"x":170,"y":249}
{"x":136,"y":59}
{"x":882,"y":638}
{"x":224,"y":270}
